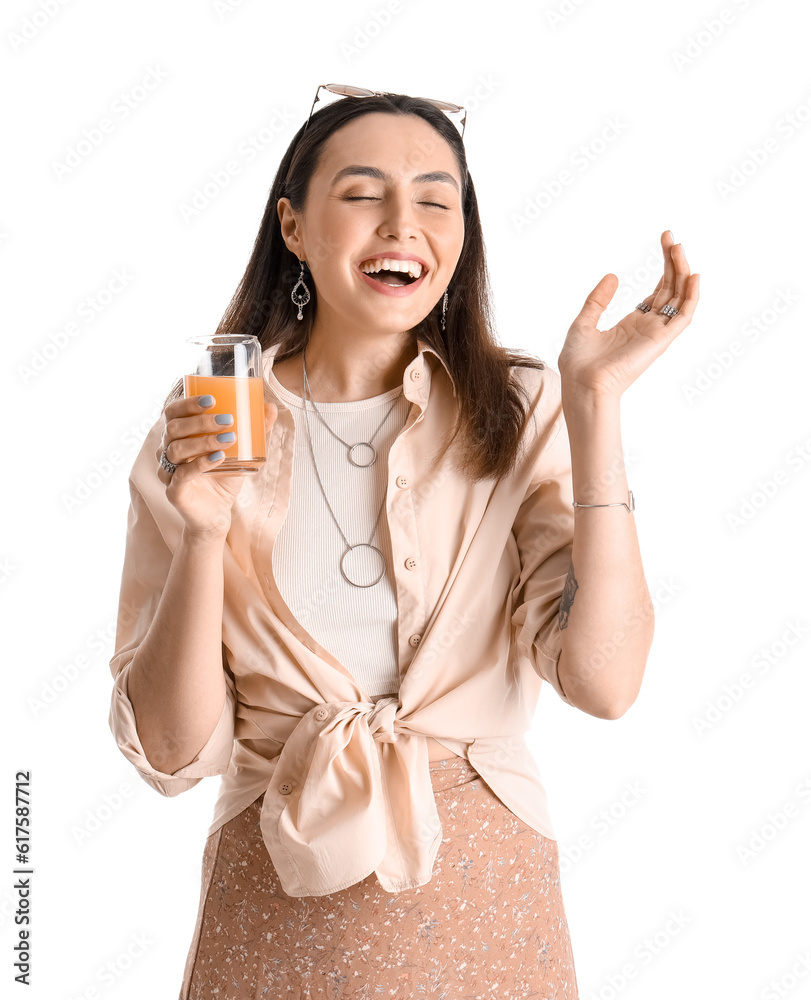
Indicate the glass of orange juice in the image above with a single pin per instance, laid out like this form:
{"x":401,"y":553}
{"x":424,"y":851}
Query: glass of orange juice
{"x":229,"y":367}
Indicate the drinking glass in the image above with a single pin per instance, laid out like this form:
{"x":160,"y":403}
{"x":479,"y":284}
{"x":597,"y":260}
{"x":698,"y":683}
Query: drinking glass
{"x":229,"y":367}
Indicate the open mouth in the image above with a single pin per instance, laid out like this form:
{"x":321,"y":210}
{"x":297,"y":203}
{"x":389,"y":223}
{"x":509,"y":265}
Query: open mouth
{"x":393,"y":278}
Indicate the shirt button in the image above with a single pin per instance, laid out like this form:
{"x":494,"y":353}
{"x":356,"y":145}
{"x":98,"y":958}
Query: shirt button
{"x":414,"y":640}
{"x":285,"y":788}
{"x":402,"y":481}
{"x":322,"y":713}
{"x":411,"y":563}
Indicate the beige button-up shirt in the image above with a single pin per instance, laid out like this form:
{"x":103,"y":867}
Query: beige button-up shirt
{"x":478,"y":572}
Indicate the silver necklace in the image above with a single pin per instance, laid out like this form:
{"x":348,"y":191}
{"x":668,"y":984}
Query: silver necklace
{"x":351,"y":564}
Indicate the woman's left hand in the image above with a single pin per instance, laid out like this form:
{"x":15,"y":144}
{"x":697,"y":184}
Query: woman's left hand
{"x":603,"y":363}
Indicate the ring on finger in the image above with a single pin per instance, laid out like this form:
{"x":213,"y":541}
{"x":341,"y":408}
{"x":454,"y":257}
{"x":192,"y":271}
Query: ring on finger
{"x":166,"y":464}
{"x":669,"y":311}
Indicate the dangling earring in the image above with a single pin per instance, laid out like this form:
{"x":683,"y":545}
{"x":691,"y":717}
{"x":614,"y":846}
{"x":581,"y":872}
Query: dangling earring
{"x":303,"y":297}
{"x":444,"y":308}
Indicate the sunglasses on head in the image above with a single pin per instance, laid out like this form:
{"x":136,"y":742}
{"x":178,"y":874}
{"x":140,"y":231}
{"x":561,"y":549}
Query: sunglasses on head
{"x":346,"y":91}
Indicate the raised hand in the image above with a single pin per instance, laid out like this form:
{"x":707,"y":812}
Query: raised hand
{"x":605,"y":362}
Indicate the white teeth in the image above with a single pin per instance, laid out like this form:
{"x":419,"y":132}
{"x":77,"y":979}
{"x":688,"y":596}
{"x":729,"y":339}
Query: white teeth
{"x":386,"y":264}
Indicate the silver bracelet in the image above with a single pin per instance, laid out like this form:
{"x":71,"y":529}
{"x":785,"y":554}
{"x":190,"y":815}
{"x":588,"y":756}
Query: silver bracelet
{"x":630,"y":509}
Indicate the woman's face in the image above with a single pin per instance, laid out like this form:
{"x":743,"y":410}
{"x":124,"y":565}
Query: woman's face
{"x":352,"y":218}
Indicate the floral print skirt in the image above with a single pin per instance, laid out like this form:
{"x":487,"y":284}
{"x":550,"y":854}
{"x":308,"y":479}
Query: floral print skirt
{"x":490,"y":923}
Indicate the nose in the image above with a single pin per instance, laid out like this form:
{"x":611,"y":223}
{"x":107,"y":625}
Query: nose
{"x":399,"y":219}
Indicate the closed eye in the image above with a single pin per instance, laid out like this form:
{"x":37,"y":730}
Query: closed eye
{"x":362,"y":197}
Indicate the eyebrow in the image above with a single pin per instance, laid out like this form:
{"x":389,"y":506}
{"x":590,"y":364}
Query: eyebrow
{"x":380,"y":175}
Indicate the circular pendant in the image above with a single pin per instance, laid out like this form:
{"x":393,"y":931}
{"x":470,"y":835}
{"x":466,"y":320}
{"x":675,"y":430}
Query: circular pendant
{"x":370,"y":450}
{"x":359,"y":567}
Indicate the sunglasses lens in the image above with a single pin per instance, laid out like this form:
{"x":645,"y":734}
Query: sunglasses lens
{"x":442,"y":105}
{"x":346,"y":91}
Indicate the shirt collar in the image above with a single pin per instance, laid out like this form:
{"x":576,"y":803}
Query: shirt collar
{"x":416,"y":377}
{"x":425,"y":348}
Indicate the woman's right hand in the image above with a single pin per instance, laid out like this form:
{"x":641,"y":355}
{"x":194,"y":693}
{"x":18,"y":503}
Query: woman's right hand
{"x":204,"y":502}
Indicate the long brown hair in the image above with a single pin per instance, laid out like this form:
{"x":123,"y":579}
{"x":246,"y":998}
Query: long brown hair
{"x":491,"y":411}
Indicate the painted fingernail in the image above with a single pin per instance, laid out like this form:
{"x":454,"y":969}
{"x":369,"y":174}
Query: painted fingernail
{"x":228,"y":436}
{"x":671,"y":235}
{"x":205,"y":400}
{"x":224,"y":418}
{"x":215,"y":456}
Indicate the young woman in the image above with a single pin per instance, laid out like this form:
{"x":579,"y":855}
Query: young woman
{"x":356,"y":636}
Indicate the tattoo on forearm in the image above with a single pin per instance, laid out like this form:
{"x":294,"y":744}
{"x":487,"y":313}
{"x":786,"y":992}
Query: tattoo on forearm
{"x":567,"y":597}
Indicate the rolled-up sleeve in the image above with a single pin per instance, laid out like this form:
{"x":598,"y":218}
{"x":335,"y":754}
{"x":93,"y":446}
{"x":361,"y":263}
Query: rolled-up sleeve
{"x":544,"y":531}
{"x":147,"y":561}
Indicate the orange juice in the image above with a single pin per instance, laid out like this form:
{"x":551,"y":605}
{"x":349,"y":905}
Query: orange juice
{"x":244,"y":398}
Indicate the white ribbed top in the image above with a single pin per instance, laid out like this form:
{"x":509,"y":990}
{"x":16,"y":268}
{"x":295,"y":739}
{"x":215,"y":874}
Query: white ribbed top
{"x":356,"y":624}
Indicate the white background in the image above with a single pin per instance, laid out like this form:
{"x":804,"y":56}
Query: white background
{"x":694,"y":99}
